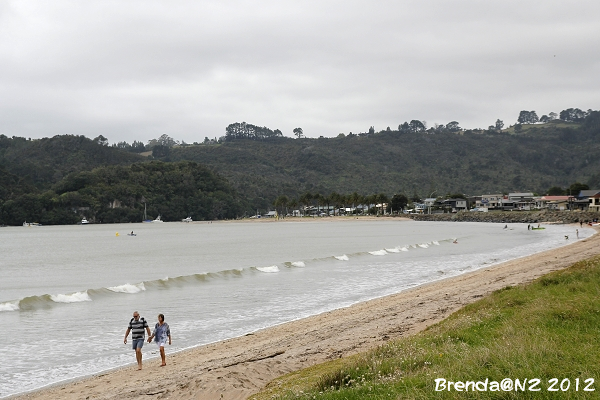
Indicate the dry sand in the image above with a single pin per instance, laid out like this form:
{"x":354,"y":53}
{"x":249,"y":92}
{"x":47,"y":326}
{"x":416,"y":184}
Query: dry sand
{"x":237,"y":368}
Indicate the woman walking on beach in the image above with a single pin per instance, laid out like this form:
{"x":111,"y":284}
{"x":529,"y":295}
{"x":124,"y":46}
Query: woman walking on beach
{"x":160,"y":335}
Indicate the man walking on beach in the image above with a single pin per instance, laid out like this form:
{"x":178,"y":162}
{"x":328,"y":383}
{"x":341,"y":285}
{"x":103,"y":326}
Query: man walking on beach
{"x":136,"y":327}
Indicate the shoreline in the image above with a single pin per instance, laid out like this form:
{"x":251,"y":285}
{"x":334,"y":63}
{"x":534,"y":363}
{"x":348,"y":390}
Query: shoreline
{"x":241,"y":366}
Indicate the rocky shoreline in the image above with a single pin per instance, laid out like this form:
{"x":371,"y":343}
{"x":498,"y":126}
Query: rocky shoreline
{"x":506,"y":217}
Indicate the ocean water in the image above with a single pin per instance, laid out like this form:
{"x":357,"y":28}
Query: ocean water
{"x":67,"y":292}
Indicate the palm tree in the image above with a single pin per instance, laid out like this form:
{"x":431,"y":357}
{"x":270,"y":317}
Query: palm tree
{"x":382,"y":198}
{"x":306,"y":200}
{"x":324,"y":201}
{"x":370,"y":199}
{"x":343,"y":200}
{"x":317,"y":199}
{"x":282,"y":202}
{"x":333,"y":198}
{"x":293,"y":204}
{"x":354,"y":198}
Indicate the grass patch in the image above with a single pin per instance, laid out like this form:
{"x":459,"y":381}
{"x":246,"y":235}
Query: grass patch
{"x":547,"y":329}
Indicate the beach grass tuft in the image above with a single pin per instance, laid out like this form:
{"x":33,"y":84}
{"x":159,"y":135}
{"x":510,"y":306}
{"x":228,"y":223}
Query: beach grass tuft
{"x":548,"y":329}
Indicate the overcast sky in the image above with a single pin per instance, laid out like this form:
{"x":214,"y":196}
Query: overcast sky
{"x":134,"y":70}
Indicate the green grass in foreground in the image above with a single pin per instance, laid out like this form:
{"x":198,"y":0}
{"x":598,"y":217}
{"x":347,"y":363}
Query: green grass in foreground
{"x":547,"y":329}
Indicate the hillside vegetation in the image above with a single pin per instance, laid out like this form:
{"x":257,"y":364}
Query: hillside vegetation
{"x":120,"y":193}
{"x":43,"y":162}
{"x":258,"y":169}
{"x":411,"y":163}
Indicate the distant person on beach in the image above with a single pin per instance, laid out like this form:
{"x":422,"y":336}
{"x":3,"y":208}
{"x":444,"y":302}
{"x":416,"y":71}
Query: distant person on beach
{"x":160,"y":335}
{"x":528,"y":226}
{"x":136,"y":326}
{"x":577,"y":232}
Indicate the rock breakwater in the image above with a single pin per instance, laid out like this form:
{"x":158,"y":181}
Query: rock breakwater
{"x":512,"y":217}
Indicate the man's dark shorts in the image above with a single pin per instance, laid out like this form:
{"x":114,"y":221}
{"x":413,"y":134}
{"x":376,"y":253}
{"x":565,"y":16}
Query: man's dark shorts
{"x":137,"y":343}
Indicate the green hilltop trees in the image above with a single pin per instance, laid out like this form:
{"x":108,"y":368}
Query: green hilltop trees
{"x":119,"y":193}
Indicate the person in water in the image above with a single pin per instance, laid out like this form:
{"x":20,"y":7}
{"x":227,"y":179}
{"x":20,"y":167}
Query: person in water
{"x":161,"y":333}
{"x":136,"y":326}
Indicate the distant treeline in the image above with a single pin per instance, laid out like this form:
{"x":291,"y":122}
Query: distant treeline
{"x":243,"y":130}
{"x":360,"y":204}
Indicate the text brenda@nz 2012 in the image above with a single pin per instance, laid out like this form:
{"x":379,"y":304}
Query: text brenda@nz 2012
{"x":517,"y":385}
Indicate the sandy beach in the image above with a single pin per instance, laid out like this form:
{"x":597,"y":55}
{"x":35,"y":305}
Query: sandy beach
{"x":239,"y":367}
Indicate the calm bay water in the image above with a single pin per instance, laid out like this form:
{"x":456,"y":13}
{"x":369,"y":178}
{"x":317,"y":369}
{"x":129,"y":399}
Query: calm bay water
{"x":68,"y":292}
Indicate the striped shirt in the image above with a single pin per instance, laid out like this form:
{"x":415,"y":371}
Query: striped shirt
{"x":138,"y":328}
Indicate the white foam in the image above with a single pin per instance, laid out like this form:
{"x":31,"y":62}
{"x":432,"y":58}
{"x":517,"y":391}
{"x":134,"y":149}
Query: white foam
{"x":272,"y":268}
{"x":424,"y":246}
{"x":393,"y":250}
{"x":71,"y":298}
{"x":342,"y":258}
{"x":299,"y":264}
{"x":378,"y":253}
{"x":9,"y":306}
{"x":131,"y":289}
{"x":436,"y":242}
{"x":404,"y":248}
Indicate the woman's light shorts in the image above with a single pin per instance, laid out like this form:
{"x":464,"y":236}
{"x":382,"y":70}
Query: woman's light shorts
{"x":161,"y":344}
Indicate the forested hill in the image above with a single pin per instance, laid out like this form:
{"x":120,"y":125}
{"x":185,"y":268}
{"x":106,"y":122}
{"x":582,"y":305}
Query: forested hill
{"x":57,"y":180}
{"x":43,"y":162}
{"x":122,"y":193}
{"x":539,"y":157}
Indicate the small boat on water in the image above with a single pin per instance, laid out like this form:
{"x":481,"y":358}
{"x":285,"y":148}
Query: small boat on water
{"x":84,"y":221}
{"x":188,"y":219}
{"x":158,"y":219}
{"x":31,"y":224}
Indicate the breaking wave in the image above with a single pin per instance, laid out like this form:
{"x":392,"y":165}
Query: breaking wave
{"x":71,"y":298}
{"x":9,"y":306}
{"x":378,"y":252}
{"x":298,"y":264}
{"x":342,"y":258}
{"x":271,"y":269}
{"x":128,"y":288}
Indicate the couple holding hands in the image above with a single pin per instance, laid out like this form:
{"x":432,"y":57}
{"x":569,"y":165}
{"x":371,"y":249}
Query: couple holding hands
{"x":138,"y":326}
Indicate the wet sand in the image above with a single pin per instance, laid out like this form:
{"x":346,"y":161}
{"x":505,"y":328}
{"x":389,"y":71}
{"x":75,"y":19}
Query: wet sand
{"x":240,"y":367}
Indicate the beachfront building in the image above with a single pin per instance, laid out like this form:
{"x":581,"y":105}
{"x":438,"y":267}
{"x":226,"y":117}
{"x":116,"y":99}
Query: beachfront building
{"x":419,"y":208}
{"x":588,"y":199}
{"x":553,"y":202}
{"x":454,"y":205}
{"x":429,"y":203}
{"x":489,"y":201}
{"x":594,"y":202}
{"x":519,"y":201}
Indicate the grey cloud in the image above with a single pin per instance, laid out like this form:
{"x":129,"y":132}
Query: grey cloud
{"x":135,"y":70}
